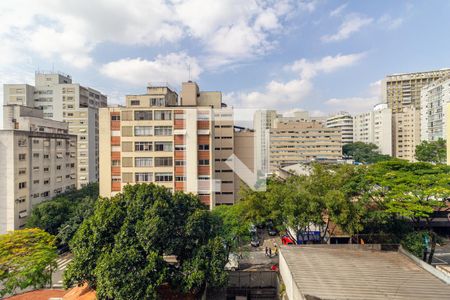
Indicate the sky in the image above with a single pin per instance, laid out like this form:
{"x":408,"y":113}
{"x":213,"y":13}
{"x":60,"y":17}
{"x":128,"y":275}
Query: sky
{"x":318,"y":55}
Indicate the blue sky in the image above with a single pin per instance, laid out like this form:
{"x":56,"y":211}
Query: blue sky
{"x":323,"y":56}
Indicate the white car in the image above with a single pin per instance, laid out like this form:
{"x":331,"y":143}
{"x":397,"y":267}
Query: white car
{"x":233,"y":262}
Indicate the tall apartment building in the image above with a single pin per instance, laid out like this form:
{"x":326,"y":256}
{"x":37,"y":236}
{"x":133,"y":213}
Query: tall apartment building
{"x":38,"y":162}
{"x":183,"y":145}
{"x":344,"y":121}
{"x":402,"y":93}
{"x":263,"y":121}
{"x":62,"y":100}
{"x":294,"y":142}
{"x":375,"y":127}
{"x":433,"y":112}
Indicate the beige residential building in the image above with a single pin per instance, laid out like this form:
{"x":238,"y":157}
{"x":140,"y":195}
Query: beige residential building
{"x":38,"y":162}
{"x":402,"y":93}
{"x":62,"y":100}
{"x":344,"y":121}
{"x":182,"y":144}
{"x":406,"y":130}
{"x":375,"y":127}
{"x":293,"y":142}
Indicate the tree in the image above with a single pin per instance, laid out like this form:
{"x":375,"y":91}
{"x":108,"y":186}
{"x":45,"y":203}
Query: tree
{"x":364,"y":153}
{"x":123,"y":249}
{"x":414,"y":191}
{"x":432,"y":152}
{"x":62,"y":215}
{"x":27,"y":258}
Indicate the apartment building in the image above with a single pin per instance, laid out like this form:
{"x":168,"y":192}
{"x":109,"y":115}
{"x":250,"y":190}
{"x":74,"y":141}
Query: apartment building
{"x":38,"y":159}
{"x":182,"y":143}
{"x":293,"y":142}
{"x":375,"y":127}
{"x":405,"y":130}
{"x":344,"y":121}
{"x":402,"y":93}
{"x":433,"y":113}
{"x":263,"y":121}
{"x":62,"y":100}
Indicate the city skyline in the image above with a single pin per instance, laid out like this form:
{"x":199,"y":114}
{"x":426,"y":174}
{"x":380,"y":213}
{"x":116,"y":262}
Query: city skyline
{"x":321,"y":56}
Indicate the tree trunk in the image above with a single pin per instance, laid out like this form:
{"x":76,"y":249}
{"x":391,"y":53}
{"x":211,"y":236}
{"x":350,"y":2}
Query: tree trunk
{"x":433,"y":246}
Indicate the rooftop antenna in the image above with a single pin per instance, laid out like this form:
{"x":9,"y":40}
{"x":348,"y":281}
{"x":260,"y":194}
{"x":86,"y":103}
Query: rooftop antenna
{"x":189,"y":68}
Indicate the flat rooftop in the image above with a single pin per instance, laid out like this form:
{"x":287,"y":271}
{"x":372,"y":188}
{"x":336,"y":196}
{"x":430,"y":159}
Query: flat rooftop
{"x":348,"y":272}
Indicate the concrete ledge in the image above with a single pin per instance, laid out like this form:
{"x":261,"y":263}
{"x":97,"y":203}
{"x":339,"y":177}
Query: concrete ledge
{"x":432,"y":270}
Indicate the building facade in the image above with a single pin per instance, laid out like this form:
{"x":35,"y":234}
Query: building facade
{"x":293,"y":142}
{"x":433,"y":113}
{"x":62,"y":100}
{"x":402,"y":93}
{"x":182,"y":144}
{"x":344,"y":121}
{"x":263,"y":121}
{"x":38,"y":159}
{"x":375,"y":127}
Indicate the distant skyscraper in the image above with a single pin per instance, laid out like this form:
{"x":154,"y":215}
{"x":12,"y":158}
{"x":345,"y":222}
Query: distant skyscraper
{"x":402,"y":93}
{"x":344,"y":121}
{"x":62,"y":100}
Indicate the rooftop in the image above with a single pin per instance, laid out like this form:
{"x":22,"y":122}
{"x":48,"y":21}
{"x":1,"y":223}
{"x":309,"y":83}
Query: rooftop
{"x":351,"y":272}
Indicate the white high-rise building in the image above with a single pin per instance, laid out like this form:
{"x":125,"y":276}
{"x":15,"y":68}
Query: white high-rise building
{"x":263,"y":121}
{"x":344,"y":121}
{"x":38,"y":162}
{"x":62,"y":100}
{"x":433,"y":113}
{"x":375,"y":127}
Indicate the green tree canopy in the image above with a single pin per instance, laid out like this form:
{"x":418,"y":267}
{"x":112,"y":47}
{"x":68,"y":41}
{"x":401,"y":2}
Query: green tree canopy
{"x":432,"y":152}
{"x":124,"y":249}
{"x":27,"y":258}
{"x":364,"y":153}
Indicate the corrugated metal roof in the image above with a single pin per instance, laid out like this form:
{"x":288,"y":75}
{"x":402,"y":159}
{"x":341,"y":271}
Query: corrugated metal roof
{"x":340,"y":272}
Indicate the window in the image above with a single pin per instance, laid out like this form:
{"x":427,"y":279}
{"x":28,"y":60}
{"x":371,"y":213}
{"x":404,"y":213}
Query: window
{"x":180,"y":163}
{"x":143,"y":162}
{"x":163,"y":146}
{"x":46,"y":169}
{"x":203,"y":147}
{"x":35,"y":181}
{"x":143,"y":177}
{"x":22,"y":142}
{"x":36,"y":168}
{"x":115,"y":118}
{"x":203,"y":162}
{"x":35,"y":155}
{"x":180,"y":116}
{"x":163,"y":177}
{"x":163,"y":130}
{"x":47,"y":181}
{"x":115,"y":162}
{"x":58,"y":167}
{"x":22,"y":171}
{"x":35,"y":141}
{"x":163,"y":115}
{"x":116,"y":179}
{"x":46,"y":156}
{"x":135,"y":102}
{"x":22,"y":185}
{"x":204,"y":177}
{"x":143,"y":130}
{"x":22,"y":156}
{"x":45,"y":194}
{"x":143,"y":146}
{"x":143,"y":115}
{"x":163,"y":161}
{"x":180,"y":147}
{"x":180,"y":178}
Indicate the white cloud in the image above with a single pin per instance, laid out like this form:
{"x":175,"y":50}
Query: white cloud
{"x":338,"y":10}
{"x":172,"y":68}
{"x":277,"y":94}
{"x":390,"y":23}
{"x":352,"y":24}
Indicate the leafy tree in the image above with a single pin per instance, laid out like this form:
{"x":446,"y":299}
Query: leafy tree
{"x":433,"y":152}
{"x":27,"y":258}
{"x":414,"y":191}
{"x":123,"y":249}
{"x":63,"y":214}
{"x":364,"y":153}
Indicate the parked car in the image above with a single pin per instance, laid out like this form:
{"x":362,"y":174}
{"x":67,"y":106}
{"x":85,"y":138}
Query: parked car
{"x":286,"y":240}
{"x":253,"y":229}
{"x":255,"y":241}
{"x":272,"y":231}
{"x":233,"y":262}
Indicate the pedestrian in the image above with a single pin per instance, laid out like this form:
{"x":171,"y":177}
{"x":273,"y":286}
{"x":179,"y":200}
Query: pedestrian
{"x":270,"y":252}
{"x":266,"y":251}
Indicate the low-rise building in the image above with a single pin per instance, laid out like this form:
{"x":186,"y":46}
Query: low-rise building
{"x":38,"y":161}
